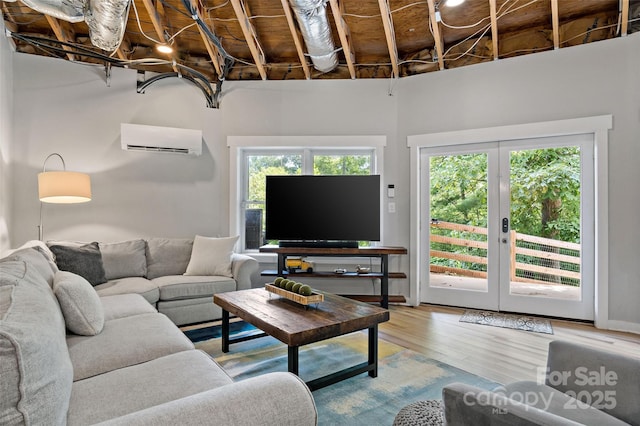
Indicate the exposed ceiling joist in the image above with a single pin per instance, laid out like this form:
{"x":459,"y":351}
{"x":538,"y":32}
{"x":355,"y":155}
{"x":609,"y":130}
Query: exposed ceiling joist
{"x":494,"y":29}
{"x":436,"y":33}
{"x":61,"y":34}
{"x":216,"y":58}
{"x":517,"y":28}
{"x":156,"y":20}
{"x":555,"y":18}
{"x":9,"y":22}
{"x":250,"y":36}
{"x":297,"y":38}
{"x":387,"y":22}
{"x":159,"y":24}
{"x":345,"y":37}
{"x":625,"y":17}
{"x":122,"y":50}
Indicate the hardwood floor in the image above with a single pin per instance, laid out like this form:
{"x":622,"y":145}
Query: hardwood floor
{"x":498,"y":354}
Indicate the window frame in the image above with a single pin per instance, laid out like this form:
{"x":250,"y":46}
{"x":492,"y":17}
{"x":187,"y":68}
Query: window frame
{"x":241,"y":147}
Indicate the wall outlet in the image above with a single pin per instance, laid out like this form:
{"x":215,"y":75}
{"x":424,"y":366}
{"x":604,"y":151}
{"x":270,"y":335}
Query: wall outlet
{"x":392,"y":207}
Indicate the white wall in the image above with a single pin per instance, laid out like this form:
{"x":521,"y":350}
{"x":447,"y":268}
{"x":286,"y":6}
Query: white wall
{"x":588,"y":80}
{"x":6,"y":122}
{"x":67,"y":108}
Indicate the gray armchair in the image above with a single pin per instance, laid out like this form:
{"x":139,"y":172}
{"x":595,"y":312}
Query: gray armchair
{"x":582,"y":386}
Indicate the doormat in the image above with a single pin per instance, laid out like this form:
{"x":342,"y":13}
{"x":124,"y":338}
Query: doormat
{"x":514,"y":321}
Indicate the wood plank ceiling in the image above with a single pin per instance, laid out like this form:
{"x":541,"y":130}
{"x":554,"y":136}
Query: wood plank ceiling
{"x":260,"y":39}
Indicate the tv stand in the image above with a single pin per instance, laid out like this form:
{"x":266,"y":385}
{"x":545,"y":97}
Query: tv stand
{"x":318,"y":244}
{"x":379,"y":252}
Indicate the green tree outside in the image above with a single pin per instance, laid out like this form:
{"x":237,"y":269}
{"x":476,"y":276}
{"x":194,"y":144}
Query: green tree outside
{"x":545,"y":198}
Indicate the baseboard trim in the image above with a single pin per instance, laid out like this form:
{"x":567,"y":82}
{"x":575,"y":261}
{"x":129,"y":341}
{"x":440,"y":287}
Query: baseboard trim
{"x":631,"y":327}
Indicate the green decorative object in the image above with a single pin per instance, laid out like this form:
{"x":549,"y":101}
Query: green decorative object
{"x":305,"y":290}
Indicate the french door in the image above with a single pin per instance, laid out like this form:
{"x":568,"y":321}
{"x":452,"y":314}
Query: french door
{"x":510,"y":226}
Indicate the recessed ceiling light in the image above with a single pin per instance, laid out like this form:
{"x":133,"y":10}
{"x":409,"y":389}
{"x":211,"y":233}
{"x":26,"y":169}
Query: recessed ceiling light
{"x":453,"y":3}
{"x":164,"y":48}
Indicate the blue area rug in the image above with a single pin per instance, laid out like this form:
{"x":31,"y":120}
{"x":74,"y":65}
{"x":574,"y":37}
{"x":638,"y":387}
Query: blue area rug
{"x":404,"y":376}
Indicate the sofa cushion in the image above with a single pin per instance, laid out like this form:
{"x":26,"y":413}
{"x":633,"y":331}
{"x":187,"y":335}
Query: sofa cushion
{"x":257,"y":400}
{"x":124,"y":342}
{"x":167,"y":256}
{"x":42,"y":248}
{"x":190,"y":311}
{"x":125,"y":305}
{"x":37,"y":257}
{"x":138,"y":285}
{"x":124,"y":259}
{"x":211,"y":256}
{"x":84,"y":260}
{"x":555,"y":402}
{"x":35,"y":369}
{"x":175,"y":287}
{"x":80,"y":304}
{"x":144,"y":385}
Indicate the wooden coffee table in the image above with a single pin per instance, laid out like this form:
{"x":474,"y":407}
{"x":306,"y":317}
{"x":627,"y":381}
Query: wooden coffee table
{"x":296,"y":325}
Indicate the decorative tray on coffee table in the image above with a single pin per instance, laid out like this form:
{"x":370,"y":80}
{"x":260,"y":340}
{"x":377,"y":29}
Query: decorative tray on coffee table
{"x":295,"y":297}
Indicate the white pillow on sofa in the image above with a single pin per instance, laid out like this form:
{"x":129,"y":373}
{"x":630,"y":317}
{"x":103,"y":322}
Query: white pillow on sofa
{"x":80,"y":304}
{"x":211,"y":256}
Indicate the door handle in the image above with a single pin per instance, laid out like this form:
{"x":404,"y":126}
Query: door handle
{"x":505,"y":225}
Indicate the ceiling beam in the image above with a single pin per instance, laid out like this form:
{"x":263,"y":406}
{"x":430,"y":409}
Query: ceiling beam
{"x":9,"y":24}
{"x":157,"y":20}
{"x":123,"y":48}
{"x":555,"y":19}
{"x":250,"y":36}
{"x":345,"y":36}
{"x":625,"y":17}
{"x":436,"y":33}
{"x":297,"y":39}
{"x":10,"y":20}
{"x":61,"y":34}
{"x":494,"y":29}
{"x":387,"y":22}
{"x":214,"y":54}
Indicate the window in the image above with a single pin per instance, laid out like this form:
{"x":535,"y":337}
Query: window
{"x":254,"y":157}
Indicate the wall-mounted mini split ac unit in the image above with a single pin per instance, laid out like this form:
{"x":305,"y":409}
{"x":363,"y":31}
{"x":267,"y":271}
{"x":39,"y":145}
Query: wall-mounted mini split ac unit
{"x":138,"y":137}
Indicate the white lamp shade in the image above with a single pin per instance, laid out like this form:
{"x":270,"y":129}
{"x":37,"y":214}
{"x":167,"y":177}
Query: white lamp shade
{"x":64,"y":187}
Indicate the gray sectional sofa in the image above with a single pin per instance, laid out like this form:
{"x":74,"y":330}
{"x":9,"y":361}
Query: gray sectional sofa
{"x":606,"y":385}
{"x":69,"y":356}
{"x":155,"y":268}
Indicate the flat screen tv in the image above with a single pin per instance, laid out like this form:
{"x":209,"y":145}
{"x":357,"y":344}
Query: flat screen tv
{"x":330,"y":211}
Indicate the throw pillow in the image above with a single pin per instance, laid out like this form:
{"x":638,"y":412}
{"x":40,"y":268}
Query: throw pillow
{"x":85,"y":261}
{"x":211,"y":256}
{"x":167,"y":256}
{"x":124,"y":259}
{"x":79,"y":303}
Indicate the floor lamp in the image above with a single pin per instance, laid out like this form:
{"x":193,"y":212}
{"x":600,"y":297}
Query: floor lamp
{"x":61,"y":187}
